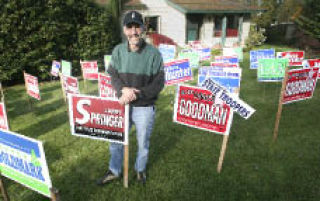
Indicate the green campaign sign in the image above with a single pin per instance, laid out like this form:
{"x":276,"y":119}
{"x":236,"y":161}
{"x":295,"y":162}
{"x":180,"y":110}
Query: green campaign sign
{"x":66,"y":68}
{"x":193,"y":57}
{"x":22,"y":159}
{"x":106,"y":59}
{"x":271,"y":70}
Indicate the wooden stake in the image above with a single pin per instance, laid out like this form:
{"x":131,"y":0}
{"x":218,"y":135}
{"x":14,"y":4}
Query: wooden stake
{"x":283,"y":88}
{"x":54,"y":194}
{"x":126,"y":166}
{"x":3,"y":190}
{"x":2,"y":94}
{"x":222,"y":152}
{"x":84,"y":80}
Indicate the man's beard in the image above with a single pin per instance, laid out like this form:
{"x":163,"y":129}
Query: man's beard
{"x":134,"y":39}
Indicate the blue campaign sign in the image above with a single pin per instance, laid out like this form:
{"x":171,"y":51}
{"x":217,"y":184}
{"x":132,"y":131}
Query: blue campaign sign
{"x":227,"y":77}
{"x":255,"y":55}
{"x":55,"y":69}
{"x":177,"y":71}
{"x":226,"y":59}
{"x":22,"y":159}
{"x":168,"y":52}
{"x":205,"y":54}
{"x":21,"y":144}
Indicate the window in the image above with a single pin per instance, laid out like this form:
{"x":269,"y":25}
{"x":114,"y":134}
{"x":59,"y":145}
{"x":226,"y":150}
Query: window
{"x":231,"y":26}
{"x":151,"y":25}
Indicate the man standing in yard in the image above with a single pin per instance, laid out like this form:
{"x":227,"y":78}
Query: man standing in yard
{"x":136,"y":71}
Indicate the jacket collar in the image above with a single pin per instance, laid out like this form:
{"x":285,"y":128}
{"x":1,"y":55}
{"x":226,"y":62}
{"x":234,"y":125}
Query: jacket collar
{"x":141,"y":45}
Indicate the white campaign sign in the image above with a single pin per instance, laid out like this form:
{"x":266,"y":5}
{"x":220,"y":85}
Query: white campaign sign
{"x":235,"y":103}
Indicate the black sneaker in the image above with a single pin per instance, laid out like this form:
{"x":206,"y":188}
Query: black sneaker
{"x":107,"y":178}
{"x":142,"y":177}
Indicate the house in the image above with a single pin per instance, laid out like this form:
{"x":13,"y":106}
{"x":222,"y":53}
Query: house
{"x":213,"y":22}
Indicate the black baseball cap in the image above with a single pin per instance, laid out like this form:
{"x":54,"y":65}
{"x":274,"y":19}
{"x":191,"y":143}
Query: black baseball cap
{"x":132,"y":17}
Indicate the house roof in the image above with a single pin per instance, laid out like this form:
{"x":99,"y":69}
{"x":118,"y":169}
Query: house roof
{"x":128,"y":4}
{"x":202,"y":6}
{"x":213,"y":6}
{"x":134,"y":4}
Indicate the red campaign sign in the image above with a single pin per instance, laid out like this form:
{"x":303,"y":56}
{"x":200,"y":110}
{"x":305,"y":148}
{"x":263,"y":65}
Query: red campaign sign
{"x":105,"y":87}
{"x":32,"y":86}
{"x":224,"y":65}
{"x":310,"y":63}
{"x":70,"y":85}
{"x":300,"y":85}
{"x":98,"y":118}
{"x":295,"y":58}
{"x":195,"y":44}
{"x":89,"y":70}
{"x":197,"y":107}
{"x":3,"y":118}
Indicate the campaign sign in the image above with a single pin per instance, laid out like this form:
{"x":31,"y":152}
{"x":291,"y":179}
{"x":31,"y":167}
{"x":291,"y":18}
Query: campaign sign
{"x":3,"y":117}
{"x":226,"y":59}
{"x":197,"y":107}
{"x":229,"y":51}
{"x":98,"y":118}
{"x":196,"y":44}
{"x":194,"y":57}
{"x":32,"y":86}
{"x":177,"y":71}
{"x":70,"y":85}
{"x":22,"y":159}
{"x":205,"y":54}
{"x":89,"y":70}
{"x":55,"y":68}
{"x":301,"y":84}
{"x":227,"y":77}
{"x":231,"y":100}
{"x":106,"y":59}
{"x":295,"y":58}
{"x":66,"y":68}
{"x":224,"y":65}
{"x":168,"y":52}
{"x":105,"y":87}
{"x":271,"y":70}
{"x":310,"y":63}
{"x":255,"y":55}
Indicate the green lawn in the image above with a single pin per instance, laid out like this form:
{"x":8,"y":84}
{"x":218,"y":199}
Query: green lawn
{"x":183,"y":160}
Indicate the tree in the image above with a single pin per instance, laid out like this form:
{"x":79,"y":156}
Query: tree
{"x":98,"y":36}
{"x":33,"y":33}
{"x":309,"y":21}
{"x":265,"y":19}
{"x":278,"y":11}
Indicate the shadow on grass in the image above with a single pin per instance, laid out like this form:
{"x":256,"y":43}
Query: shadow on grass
{"x":53,"y":153}
{"x":45,"y":125}
{"x":78,"y":181}
{"x":47,"y":108}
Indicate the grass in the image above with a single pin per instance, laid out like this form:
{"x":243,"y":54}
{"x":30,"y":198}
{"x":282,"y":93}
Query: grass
{"x":183,"y":160}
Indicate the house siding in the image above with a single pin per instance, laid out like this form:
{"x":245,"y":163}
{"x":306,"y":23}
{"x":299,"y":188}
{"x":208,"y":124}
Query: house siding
{"x":245,"y":30}
{"x":172,"y":22}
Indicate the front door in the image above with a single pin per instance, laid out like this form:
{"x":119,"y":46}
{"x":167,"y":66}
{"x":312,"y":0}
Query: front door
{"x":193,"y":24}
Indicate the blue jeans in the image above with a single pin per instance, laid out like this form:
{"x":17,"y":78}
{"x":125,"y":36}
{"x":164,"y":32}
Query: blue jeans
{"x":143,"y":119}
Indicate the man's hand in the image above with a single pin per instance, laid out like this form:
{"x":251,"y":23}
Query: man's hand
{"x":129,"y":94}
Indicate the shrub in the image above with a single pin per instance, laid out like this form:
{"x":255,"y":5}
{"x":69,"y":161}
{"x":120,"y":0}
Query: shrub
{"x":256,"y":37}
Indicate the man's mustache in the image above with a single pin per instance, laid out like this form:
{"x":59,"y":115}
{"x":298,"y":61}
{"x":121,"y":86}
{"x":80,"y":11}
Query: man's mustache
{"x":135,"y":35}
